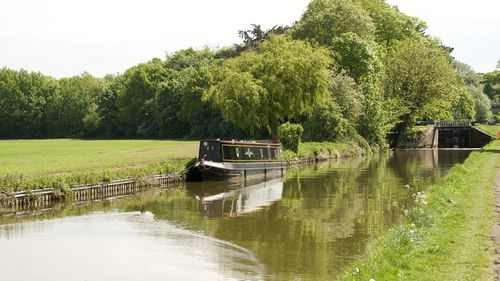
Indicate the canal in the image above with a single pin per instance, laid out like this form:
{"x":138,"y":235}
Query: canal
{"x":307,"y":226}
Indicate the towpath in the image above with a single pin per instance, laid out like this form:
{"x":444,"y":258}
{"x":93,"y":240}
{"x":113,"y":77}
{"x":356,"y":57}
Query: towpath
{"x":495,"y":231}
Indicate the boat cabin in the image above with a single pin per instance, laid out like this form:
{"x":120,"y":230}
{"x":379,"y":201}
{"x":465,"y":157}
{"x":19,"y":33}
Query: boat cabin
{"x":239,"y":151}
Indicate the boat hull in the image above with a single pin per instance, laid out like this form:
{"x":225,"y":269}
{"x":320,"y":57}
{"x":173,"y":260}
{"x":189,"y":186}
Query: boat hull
{"x":233,"y":170}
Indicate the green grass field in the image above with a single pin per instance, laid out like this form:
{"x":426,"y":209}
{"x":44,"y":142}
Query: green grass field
{"x":34,"y":158}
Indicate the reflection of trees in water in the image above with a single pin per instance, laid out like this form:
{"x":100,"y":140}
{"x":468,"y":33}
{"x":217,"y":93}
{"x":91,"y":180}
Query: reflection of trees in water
{"x":325,"y":218}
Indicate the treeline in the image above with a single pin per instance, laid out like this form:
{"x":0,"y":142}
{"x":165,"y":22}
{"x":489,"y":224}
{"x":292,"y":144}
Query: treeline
{"x":347,"y":69}
{"x":157,"y":99}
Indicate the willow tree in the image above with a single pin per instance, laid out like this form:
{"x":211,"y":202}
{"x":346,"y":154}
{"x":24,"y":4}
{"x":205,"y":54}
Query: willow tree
{"x":264,"y":87}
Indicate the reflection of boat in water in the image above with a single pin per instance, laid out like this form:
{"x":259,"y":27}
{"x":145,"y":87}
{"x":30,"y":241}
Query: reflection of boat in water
{"x":231,"y":202}
{"x":219,"y":159}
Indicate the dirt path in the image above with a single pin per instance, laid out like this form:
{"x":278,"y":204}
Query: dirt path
{"x":495,"y":230}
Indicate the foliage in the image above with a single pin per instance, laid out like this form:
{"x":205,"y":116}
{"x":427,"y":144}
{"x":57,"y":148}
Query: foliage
{"x":23,"y":98}
{"x":390,"y":24}
{"x":348,"y":96}
{"x":464,"y":107}
{"x":326,"y":123}
{"x":72,"y":111}
{"x":142,"y":83}
{"x":367,"y":69}
{"x":357,"y":56}
{"x":472,"y":86}
{"x":326,"y":150}
{"x":419,"y":77}
{"x":326,"y":19}
{"x":290,"y":135}
{"x":262,"y":88}
{"x":491,"y":83}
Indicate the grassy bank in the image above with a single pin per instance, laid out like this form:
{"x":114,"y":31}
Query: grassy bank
{"x":325,"y":150}
{"x":446,"y":236}
{"x":62,"y":163}
{"x":33,"y":164}
{"x":490,"y":129}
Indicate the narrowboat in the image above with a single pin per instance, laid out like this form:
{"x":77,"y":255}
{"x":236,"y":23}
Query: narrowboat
{"x":232,"y":159}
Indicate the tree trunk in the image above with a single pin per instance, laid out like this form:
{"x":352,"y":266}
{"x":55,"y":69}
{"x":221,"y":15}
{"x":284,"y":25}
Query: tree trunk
{"x":273,"y":127}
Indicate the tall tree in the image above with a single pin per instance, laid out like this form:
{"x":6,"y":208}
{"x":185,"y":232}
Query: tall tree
{"x":390,"y":24}
{"x":23,"y":100}
{"x":141,"y":84}
{"x":326,"y":19}
{"x":355,"y":55}
{"x":263,"y":88}
{"x":472,"y":85}
{"x":72,"y":112}
{"x":491,"y":83}
{"x":419,"y":76}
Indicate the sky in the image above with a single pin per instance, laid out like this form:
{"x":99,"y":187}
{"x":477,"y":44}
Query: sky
{"x":472,"y":28}
{"x":63,"y":38}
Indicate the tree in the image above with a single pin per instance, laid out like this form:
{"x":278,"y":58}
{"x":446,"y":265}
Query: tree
{"x":326,"y":123}
{"x":472,"y":85}
{"x":419,"y":76}
{"x":326,"y":19}
{"x":390,"y":24}
{"x":72,"y":112}
{"x":482,"y":104}
{"x":357,"y":56}
{"x":141,"y":84}
{"x":252,"y":37}
{"x":464,"y":106}
{"x":491,"y":83}
{"x":348,"y":96}
{"x":23,"y":100}
{"x":281,"y":79}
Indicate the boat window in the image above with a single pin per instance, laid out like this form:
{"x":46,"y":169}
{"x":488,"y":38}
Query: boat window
{"x":245,"y":153}
{"x":210,"y":151}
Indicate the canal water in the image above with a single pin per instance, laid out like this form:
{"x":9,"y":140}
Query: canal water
{"x":306,"y":226}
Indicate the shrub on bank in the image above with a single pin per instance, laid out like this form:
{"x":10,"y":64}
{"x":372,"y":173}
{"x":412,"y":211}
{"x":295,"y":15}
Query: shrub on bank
{"x":290,"y":136}
{"x":325,"y":150}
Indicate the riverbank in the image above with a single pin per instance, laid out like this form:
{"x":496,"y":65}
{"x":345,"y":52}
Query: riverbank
{"x":60,"y":165}
{"x":445,"y":237}
{"x":312,"y":152}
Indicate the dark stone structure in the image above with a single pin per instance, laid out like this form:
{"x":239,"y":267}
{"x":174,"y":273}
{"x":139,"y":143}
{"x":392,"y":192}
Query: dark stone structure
{"x":459,"y":134}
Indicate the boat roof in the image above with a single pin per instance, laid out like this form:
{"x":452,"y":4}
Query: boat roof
{"x":243,"y":142}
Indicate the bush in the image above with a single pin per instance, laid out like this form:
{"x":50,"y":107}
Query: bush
{"x":290,"y":135}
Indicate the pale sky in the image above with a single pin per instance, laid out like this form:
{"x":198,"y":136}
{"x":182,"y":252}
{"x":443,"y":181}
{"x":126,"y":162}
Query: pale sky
{"x":63,"y":38}
{"x":472,"y":27}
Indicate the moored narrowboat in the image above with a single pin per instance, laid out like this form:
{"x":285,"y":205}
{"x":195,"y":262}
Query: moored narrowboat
{"x":225,"y":159}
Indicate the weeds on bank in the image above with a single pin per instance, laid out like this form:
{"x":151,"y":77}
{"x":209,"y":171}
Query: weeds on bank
{"x":325,"y":150}
{"x":62,"y":183}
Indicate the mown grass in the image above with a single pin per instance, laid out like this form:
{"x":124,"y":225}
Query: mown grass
{"x":493,"y":130}
{"x":446,"y":236}
{"x":61,"y":163}
{"x":65,"y":156}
